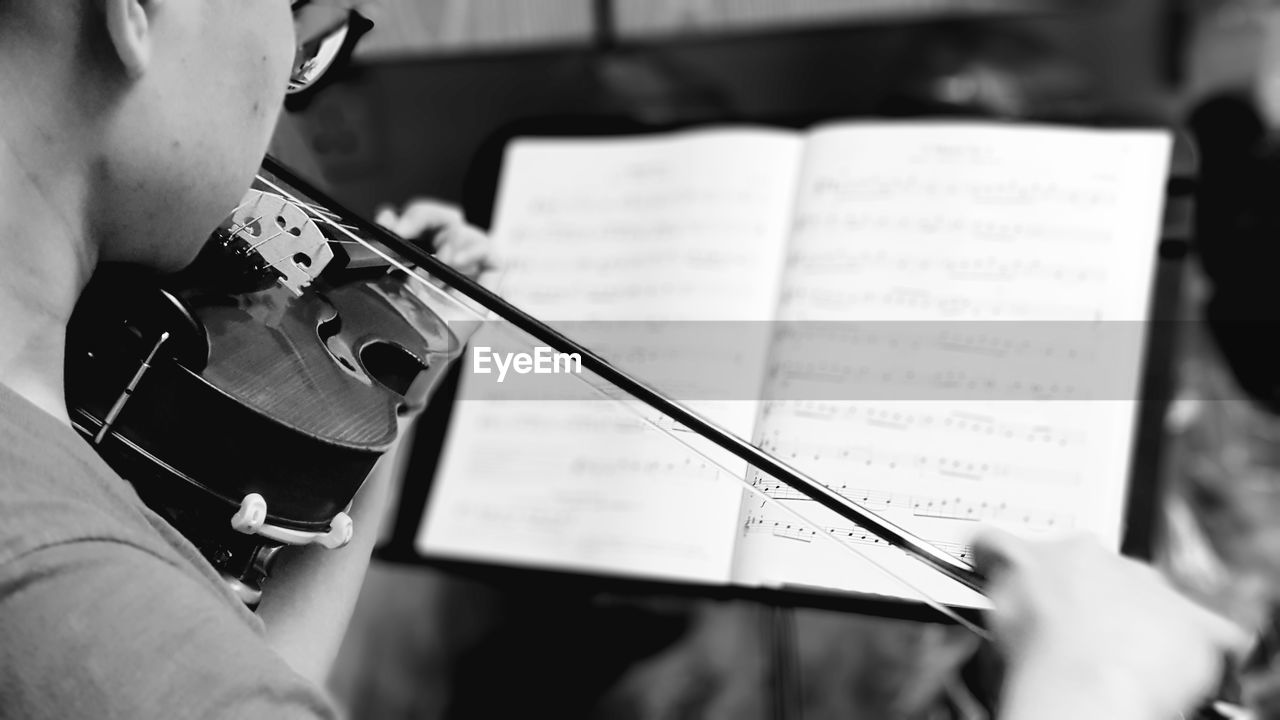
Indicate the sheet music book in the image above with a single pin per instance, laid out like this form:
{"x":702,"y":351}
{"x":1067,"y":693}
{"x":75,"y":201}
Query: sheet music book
{"x":1014,"y":261}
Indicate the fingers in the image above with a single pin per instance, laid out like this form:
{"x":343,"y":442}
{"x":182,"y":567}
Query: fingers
{"x":386,"y":216}
{"x":419,"y":216}
{"x":457,"y":244}
{"x":994,"y":550}
{"x":1041,"y":572}
{"x":466,"y":249}
{"x":422,"y":215}
{"x":1229,"y":636}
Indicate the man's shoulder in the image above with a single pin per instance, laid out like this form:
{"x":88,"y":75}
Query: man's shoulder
{"x":54,"y":489}
{"x":55,"y":492}
{"x":105,"y":610}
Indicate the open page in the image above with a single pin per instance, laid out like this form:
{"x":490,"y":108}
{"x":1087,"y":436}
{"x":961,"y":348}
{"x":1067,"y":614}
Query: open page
{"x":960,"y":339}
{"x":635,"y":246}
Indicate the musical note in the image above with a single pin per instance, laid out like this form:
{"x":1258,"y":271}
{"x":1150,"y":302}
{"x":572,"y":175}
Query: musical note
{"x":865,"y":461}
{"x":966,"y":423}
{"x":812,"y":301}
{"x":1073,"y":342}
{"x":1031,"y":191}
{"x":847,"y":533}
{"x":971,"y":509}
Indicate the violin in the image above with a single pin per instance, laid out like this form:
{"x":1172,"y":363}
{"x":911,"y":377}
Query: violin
{"x":247,"y":397}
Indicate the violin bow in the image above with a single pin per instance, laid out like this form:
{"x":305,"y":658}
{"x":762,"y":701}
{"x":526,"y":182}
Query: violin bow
{"x":890,"y":532}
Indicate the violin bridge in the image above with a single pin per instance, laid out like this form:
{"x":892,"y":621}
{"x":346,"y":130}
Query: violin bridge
{"x":281,"y":236}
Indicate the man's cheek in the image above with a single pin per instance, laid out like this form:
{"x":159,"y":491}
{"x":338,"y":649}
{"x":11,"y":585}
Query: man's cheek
{"x":263,"y":91}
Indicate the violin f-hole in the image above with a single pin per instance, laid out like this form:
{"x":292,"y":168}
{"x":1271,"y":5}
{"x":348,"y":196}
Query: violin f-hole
{"x":391,"y":366}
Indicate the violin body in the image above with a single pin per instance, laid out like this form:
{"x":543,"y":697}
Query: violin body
{"x":245,"y":409}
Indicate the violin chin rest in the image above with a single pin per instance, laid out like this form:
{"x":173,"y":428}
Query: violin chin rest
{"x":188,"y":343}
{"x":121,"y":299}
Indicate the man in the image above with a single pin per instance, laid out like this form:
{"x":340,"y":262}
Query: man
{"x":128,"y":128}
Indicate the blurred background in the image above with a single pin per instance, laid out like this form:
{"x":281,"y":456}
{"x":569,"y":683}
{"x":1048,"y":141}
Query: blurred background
{"x":436,"y":78}
{"x":437,"y":82}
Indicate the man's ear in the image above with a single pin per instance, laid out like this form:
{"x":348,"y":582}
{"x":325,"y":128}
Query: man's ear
{"x":129,"y":29}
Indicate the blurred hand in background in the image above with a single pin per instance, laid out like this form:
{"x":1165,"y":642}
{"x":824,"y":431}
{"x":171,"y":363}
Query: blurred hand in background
{"x":455,"y":242}
{"x":1089,"y":633}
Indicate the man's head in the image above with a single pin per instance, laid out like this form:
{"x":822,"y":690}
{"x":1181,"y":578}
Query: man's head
{"x":166,"y":106}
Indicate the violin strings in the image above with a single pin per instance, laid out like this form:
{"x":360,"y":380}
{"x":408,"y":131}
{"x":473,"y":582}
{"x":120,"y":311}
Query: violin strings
{"x":244,"y":225}
{"x":236,"y":230}
{"x":260,"y":243}
{"x":344,"y":229}
{"x":328,"y":214}
{"x":277,"y":262}
{"x":423,"y":283}
{"x":320,"y":211}
{"x":317,"y":208}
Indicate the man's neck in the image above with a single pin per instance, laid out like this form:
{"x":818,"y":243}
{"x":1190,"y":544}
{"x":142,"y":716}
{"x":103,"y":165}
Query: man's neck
{"x":46,"y":255}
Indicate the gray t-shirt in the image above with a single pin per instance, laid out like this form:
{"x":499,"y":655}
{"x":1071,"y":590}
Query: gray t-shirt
{"x":105,"y":610}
